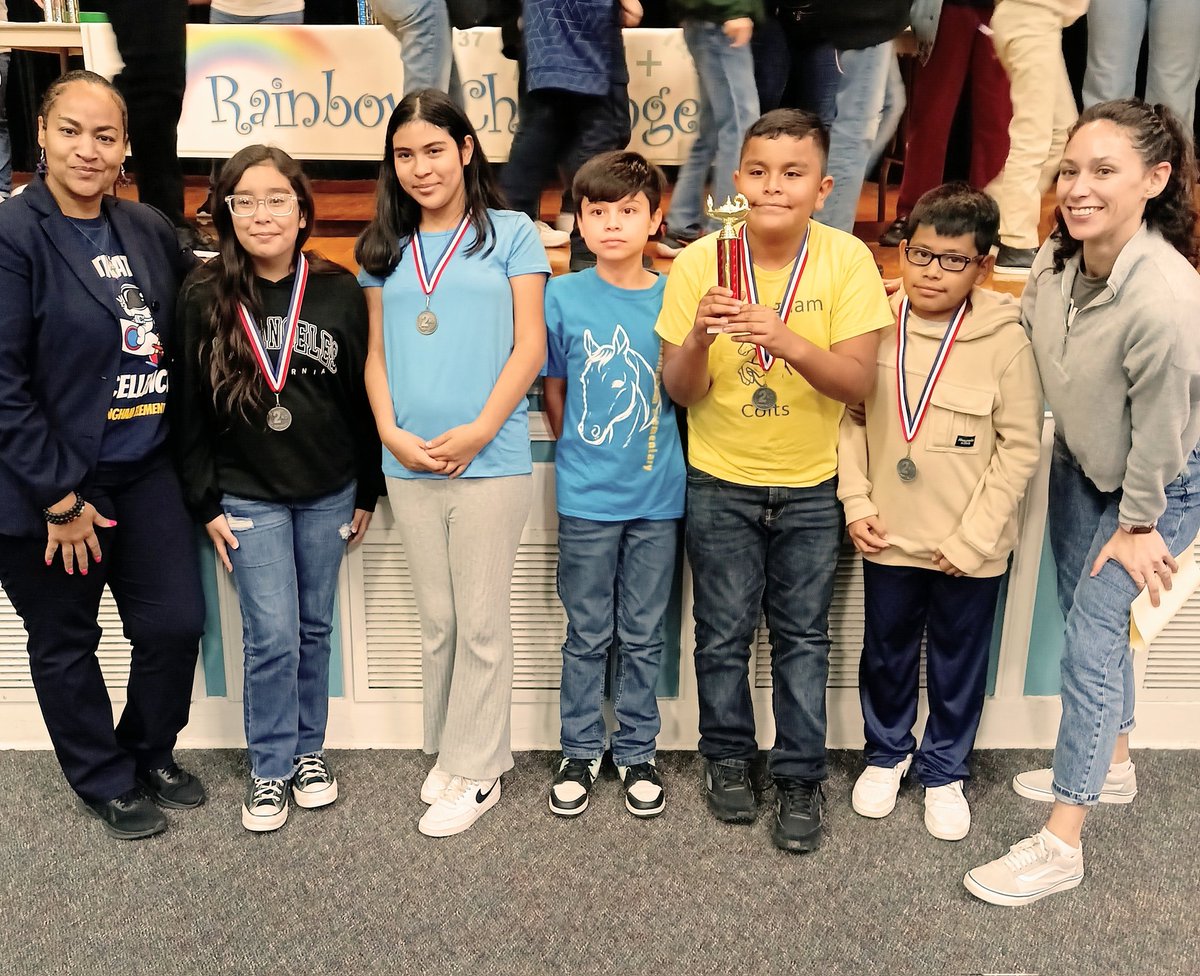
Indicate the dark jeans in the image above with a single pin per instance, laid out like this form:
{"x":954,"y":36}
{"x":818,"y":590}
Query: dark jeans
{"x":151,"y":38}
{"x":561,"y":129}
{"x":756,"y":549}
{"x":904,"y":603}
{"x":150,"y":565}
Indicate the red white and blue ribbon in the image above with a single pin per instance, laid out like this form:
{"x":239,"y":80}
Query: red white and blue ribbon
{"x":765,"y":359}
{"x":429,"y":281}
{"x":276,"y":377}
{"x":910,"y":420}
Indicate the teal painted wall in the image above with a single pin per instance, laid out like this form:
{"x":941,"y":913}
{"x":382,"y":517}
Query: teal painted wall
{"x":1046,"y":637}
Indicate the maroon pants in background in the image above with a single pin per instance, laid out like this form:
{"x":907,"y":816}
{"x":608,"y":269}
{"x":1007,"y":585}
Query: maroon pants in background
{"x":962,"y":54}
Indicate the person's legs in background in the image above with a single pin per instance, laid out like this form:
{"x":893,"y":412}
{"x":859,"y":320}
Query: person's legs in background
{"x":895,"y":101}
{"x":423,"y":29}
{"x":1114,"y":41}
{"x":1174,"y":69}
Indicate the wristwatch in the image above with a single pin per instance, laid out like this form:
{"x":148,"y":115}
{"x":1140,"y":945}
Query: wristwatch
{"x":1138,"y":529}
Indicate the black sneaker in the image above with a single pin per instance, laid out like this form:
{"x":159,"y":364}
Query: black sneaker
{"x":1015,"y":261}
{"x":204,"y":212}
{"x":172,"y":786}
{"x":130,"y":816}
{"x":193,"y":239}
{"x":672,"y":242}
{"x":896,"y":231}
{"x":799,"y":806}
{"x":573,"y":785}
{"x":313,"y":785}
{"x":643,"y":786}
{"x":266,"y":804}
{"x":729,"y":791}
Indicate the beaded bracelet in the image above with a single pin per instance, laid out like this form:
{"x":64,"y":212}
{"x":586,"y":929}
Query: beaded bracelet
{"x":70,"y":515}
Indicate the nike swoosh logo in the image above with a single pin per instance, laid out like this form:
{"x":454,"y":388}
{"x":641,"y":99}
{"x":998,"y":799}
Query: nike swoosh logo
{"x":480,"y":796}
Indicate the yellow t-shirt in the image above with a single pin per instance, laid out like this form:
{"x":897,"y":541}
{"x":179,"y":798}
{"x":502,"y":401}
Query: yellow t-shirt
{"x":794,"y":443}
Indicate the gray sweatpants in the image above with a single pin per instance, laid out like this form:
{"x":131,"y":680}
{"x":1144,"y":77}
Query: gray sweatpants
{"x":461,"y":541}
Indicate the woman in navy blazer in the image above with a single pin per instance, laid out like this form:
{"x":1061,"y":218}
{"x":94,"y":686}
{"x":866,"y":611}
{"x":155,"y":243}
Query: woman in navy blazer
{"x":88,"y":496}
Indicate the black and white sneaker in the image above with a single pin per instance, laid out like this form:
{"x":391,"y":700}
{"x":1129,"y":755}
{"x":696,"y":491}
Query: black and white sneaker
{"x":644,"y":793}
{"x":313,"y":785}
{"x":573,"y":785}
{"x":266,"y":804}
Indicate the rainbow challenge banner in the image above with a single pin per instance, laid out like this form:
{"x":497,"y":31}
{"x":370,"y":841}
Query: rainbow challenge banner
{"x":325,"y":92}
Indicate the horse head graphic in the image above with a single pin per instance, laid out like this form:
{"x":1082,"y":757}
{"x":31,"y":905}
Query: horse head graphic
{"x":618,"y":387}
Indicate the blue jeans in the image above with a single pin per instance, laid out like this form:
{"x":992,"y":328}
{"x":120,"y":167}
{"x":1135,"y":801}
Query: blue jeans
{"x":728,"y":107}
{"x":1097,"y":666}
{"x":756,"y":549}
{"x":895,"y":101}
{"x":860,"y":104}
{"x":286,"y":569}
{"x":221,"y":17}
{"x":1115,"y":31}
{"x":423,"y":29}
{"x":5,"y":140}
{"x":613,"y":575}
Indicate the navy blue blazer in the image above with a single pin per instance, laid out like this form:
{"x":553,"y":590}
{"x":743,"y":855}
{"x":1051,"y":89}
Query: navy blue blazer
{"x":60,"y":343}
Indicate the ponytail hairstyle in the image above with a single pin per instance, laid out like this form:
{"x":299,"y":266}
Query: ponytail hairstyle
{"x":1157,"y":136}
{"x":397,"y":215}
{"x":233,"y":373}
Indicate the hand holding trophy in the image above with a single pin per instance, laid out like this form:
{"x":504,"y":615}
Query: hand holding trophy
{"x":729,"y":264}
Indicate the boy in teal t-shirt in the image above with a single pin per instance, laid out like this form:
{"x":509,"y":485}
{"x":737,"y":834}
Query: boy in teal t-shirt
{"x":620,"y":482}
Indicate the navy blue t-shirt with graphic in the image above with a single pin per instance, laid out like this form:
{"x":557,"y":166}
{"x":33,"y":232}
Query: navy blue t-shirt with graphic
{"x":135,"y":425}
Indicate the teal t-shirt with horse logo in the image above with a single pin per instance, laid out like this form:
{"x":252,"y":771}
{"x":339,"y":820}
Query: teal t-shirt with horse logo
{"x":619,"y":457}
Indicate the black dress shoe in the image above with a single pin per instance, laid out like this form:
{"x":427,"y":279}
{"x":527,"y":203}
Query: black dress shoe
{"x":1015,"y":261}
{"x":131,"y":816}
{"x":799,"y":806}
{"x":730,"y":792}
{"x":172,"y":786}
{"x":896,"y":231}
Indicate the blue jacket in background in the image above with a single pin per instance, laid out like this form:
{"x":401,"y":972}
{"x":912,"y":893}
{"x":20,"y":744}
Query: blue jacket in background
{"x":574,"y":46}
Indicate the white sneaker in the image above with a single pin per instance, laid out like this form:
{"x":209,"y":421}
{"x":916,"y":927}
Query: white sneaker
{"x":313,"y":784}
{"x":1120,"y":786}
{"x":462,"y":802}
{"x":435,"y":783}
{"x":1032,"y":869}
{"x":875,"y":791}
{"x":947,"y":813}
{"x":565,"y":222}
{"x":551,"y":237}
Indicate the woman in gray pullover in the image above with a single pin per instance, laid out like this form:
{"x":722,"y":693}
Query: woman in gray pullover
{"x":1112,"y":307}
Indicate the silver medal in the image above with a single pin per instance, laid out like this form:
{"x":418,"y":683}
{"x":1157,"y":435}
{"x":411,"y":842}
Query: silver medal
{"x":279,"y":418}
{"x":906,"y":467}
{"x":764,"y":398}
{"x":427,"y":322}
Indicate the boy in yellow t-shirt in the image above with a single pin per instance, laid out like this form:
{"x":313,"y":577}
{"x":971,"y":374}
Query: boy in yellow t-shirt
{"x":765,"y":391}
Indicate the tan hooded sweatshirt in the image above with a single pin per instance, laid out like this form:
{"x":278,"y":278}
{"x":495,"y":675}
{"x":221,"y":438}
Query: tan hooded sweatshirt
{"x":1069,"y":10}
{"x":975,"y":451}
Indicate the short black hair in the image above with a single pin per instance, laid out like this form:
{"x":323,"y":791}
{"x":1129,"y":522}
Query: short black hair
{"x":613,"y":176}
{"x":954,"y":209}
{"x":793,"y":122}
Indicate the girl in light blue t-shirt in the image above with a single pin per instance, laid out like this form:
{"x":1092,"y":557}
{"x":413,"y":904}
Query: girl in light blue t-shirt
{"x":454,"y":288}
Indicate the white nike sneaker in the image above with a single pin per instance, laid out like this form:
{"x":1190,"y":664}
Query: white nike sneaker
{"x":437,"y":781}
{"x":875,"y":791}
{"x":551,"y":237}
{"x":947,"y":813}
{"x":1031,"y":870}
{"x":1120,"y":786}
{"x":462,"y":802}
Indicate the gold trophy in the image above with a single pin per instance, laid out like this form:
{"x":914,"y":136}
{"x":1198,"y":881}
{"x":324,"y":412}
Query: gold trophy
{"x":729,"y":257}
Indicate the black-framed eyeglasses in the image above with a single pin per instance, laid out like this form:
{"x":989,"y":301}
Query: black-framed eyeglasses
{"x":922,"y":256}
{"x":246,"y":204}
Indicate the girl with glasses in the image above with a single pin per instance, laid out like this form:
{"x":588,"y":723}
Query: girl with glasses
{"x":279,"y":457}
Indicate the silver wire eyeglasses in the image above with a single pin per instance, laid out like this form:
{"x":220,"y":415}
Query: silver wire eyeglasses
{"x":245,"y":205}
{"x":922,"y":256}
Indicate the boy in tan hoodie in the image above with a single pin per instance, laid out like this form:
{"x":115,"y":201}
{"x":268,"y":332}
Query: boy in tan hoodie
{"x":931,"y":486}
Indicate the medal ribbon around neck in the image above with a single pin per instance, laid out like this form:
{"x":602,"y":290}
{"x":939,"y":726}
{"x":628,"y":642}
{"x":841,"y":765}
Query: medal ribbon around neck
{"x":277,"y":377}
{"x":765,"y":359}
{"x":910,"y":421}
{"x":429,"y":282}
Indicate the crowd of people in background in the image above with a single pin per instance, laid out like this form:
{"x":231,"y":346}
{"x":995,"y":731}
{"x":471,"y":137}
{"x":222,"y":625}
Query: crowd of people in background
{"x":144,"y":392}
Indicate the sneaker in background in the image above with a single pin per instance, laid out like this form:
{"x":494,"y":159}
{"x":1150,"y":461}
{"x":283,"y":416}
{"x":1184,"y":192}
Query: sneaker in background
{"x":672,"y":242}
{"x":1015,"y":262}
{"x":1120,"y":785}
{"x":572,"y":785}
{"x":551,"y":237}
{"x":565,"y":222}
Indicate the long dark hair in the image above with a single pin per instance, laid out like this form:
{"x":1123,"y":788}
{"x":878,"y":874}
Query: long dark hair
{"x":1157,"y":136}
{"x":232,"y":369}
{"x":381,"y":244}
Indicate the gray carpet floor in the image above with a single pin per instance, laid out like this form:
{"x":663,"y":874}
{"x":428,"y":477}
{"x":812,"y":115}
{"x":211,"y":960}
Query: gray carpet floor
{"x":355,"y":889}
